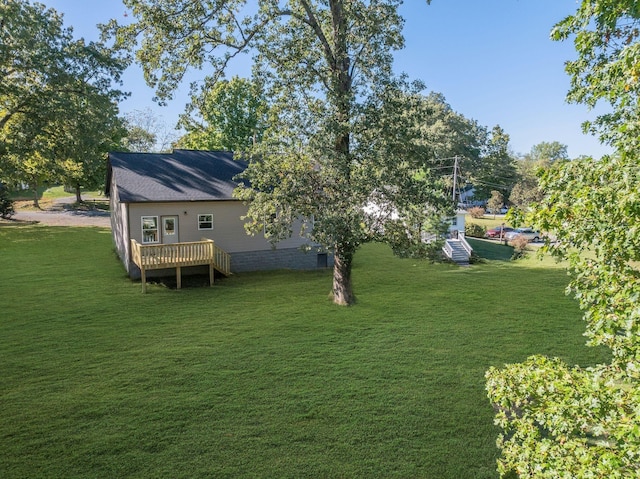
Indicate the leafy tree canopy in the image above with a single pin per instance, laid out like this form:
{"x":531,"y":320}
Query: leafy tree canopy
{"x":549,"y":152}
{"x":138,"y":139}
{"x":495,"y":202}
{"x":56,"y":93}
{"x":232,"y":116}
{"x":41,"y":64}
{"x":607,"y":71}
{"x":526,"y":191}
{"x":496,"y":170}
{"x":80,"y":137}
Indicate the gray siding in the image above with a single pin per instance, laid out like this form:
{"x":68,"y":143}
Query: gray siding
{"x":228,"y":227}
{"x":119,"y":226}
{"x":248,"y":253}
{"x":292,"y":258}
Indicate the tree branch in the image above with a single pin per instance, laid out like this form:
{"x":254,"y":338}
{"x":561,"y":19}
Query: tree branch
{"x":313,"y":23}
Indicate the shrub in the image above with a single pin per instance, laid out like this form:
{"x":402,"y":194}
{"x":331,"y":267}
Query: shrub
{"x":474,"y":230}
{"x":6,"y":203}
{"x":476,"y":212}
{"x":519,"y":244}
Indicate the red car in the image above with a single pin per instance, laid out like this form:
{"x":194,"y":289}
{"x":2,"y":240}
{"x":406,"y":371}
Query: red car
{"x":495,"y":232}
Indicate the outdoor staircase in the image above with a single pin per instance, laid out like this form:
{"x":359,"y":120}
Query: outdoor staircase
{"x":457,"y":250}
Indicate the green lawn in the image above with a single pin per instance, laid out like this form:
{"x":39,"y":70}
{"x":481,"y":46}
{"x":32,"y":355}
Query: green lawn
{"x":488,"y":221}
{"x":261,"y":376}
{"x":49,"y":193}
{"x":488,"y":249}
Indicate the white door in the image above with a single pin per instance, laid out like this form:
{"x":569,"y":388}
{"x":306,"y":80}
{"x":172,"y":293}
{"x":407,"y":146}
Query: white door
{"x":170,"y":229}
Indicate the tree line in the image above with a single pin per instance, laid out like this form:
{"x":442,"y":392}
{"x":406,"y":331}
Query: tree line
{"x":60,"y":116}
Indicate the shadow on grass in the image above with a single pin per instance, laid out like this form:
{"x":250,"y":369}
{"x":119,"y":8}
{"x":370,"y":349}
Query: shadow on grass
{"x":87,"y":204}
{"x":4,"y":222}
{"x":189,"y":280}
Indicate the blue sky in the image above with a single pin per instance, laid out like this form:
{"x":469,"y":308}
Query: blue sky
{"x":491,"y":59}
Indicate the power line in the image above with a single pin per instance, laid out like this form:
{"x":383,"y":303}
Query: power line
{"x":487,"y":183}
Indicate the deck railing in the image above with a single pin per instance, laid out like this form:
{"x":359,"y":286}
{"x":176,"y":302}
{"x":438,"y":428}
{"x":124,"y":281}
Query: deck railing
{"x":177,"y":255}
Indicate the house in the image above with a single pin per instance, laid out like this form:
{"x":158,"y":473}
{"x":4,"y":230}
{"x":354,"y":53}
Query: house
{"x":467,"y":199}
{"x":457,"y":223}
{"x":174,"y":210}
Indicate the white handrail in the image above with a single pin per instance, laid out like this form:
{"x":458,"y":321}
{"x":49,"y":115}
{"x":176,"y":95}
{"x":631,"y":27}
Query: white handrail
{"x":464,"y":243}
{"x":448,"y":251}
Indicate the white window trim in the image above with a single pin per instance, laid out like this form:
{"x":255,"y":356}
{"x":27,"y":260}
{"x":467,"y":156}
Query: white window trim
{"x":157,"y":229}
{"x":200,"y":221}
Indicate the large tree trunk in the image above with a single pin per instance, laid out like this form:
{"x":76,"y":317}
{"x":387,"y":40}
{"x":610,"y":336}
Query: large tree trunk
{"x":34,"y":188}
{"x":342,"y":288}
{"x":78,"y":194}
{"x":342,"y":90}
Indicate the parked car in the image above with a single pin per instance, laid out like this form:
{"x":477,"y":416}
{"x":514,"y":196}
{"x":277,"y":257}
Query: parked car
{"x":495,"y":232}
{"x":529,"y":233}
{"x":499,"y":211}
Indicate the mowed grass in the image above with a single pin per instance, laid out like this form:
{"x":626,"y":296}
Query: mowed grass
{"x":54,"y":192}
{"x":261,"y":376}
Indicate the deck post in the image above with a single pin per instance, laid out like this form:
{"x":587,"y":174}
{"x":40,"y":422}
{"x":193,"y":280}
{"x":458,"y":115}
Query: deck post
{"x":178,"y":278}
{"x":211,"y":274}
{"x":143,"y":278}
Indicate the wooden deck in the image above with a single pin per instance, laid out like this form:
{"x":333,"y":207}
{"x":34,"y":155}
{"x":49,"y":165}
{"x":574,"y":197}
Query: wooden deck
{"x":163,"y":256}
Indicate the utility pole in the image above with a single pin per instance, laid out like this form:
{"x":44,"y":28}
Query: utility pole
{"x":455,"y":178}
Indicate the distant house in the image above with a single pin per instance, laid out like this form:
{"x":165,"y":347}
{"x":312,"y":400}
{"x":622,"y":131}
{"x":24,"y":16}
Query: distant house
{"x":467,"y":198}
{"x":184,"y":198}
{"x":457,"y":223}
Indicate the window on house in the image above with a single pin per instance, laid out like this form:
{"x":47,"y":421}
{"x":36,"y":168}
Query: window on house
{"x":454,"y":221}
{"x":205,"y":222}
{"x":322,"y":260}
{"x":149,"y":229}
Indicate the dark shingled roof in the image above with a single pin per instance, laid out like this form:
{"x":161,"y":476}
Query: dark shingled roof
{"x":183,"y":175}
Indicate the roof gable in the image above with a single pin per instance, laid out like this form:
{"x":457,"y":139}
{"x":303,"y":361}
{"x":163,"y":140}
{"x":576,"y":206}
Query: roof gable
{"x":182,"y":175}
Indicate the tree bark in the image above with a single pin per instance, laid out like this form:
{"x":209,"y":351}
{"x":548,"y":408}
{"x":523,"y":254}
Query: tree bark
{"x":78,"y":194}
{"x":36,"y":202}
{"x":342,"y":287}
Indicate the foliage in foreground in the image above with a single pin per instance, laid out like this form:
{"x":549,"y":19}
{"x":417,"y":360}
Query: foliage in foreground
{"x":583,"y":422}
{"x":562,"y":421}
{"x":258,"y":376}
